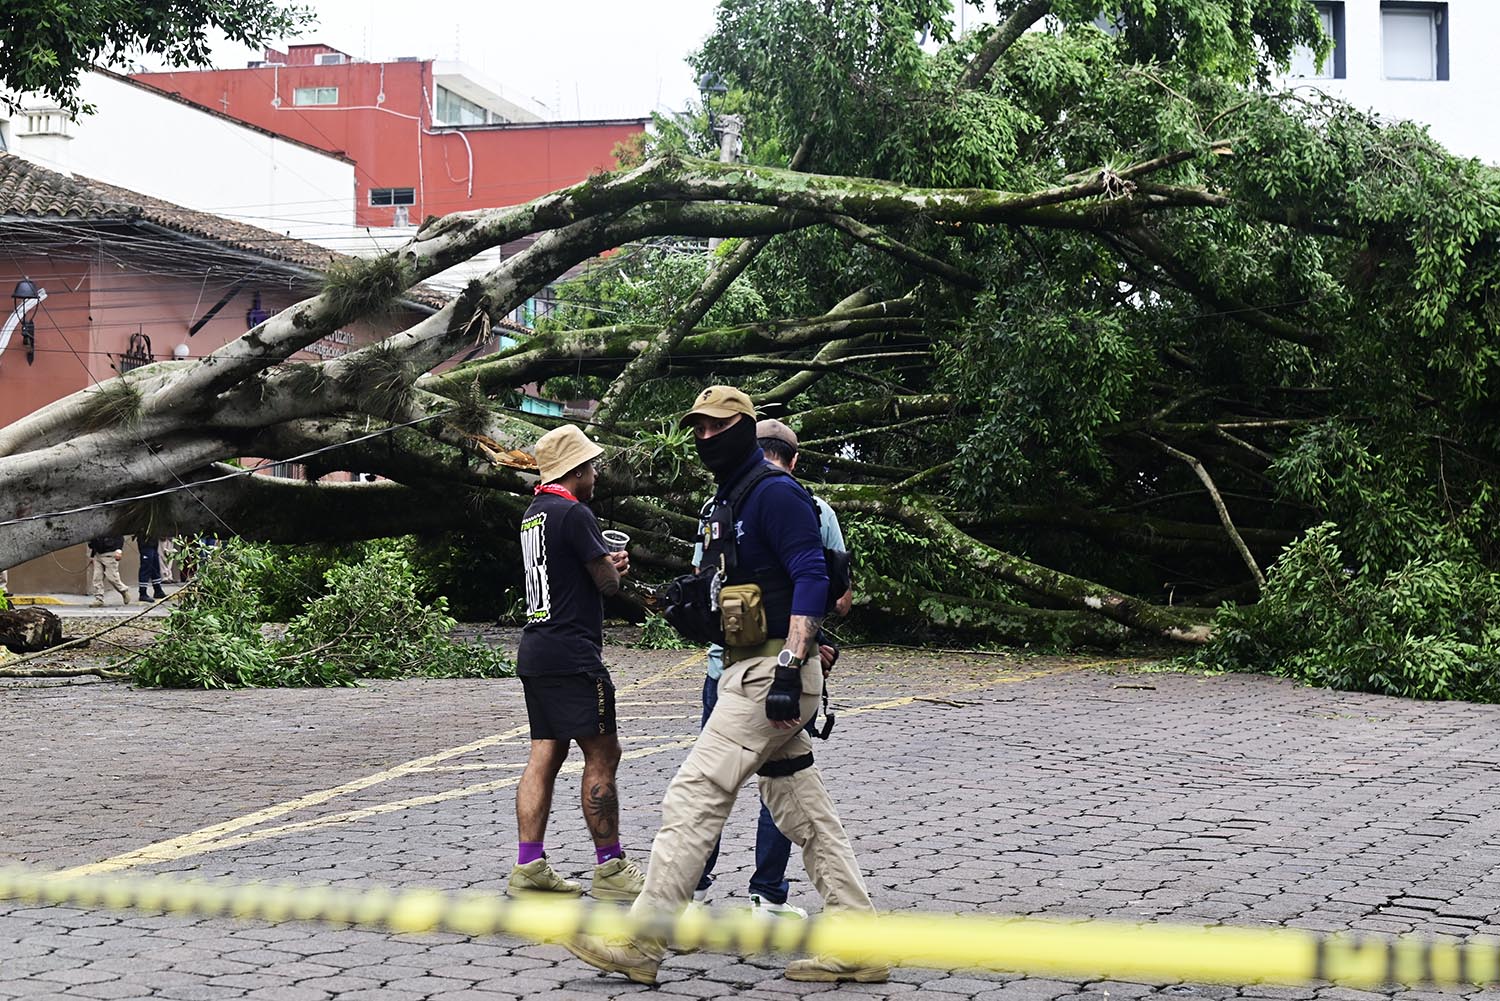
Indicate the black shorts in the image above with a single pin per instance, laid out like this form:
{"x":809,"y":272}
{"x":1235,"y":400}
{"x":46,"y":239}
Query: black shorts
{"x":569,"y":706}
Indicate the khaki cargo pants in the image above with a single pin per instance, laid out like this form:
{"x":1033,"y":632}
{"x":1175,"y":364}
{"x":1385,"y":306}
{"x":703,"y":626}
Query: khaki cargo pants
{"x":738,"y":740}
{"x":105,"y":569}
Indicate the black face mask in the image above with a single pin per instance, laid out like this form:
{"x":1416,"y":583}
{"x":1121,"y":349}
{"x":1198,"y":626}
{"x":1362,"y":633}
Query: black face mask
{"x":727,"y":451}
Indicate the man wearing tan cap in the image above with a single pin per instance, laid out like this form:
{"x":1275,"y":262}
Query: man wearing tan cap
{"x":569,"y":571}
{"x":765,"y":695}
{"x":769,"y":889}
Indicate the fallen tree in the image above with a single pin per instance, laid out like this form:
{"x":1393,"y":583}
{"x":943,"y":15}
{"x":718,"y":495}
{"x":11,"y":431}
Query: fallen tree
{"x":1093,"y":316}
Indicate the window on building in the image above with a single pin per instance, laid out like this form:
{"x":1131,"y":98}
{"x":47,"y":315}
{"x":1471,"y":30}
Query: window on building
{"x":315,"y":95}
{"x":1414,"y":40}
{"x":1305,"y":64}
{"x":455,"y":110}
{"x":393,"y":196}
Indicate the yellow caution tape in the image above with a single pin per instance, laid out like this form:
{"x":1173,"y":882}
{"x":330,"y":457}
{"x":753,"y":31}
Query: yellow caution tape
{"x":1081,"y":949}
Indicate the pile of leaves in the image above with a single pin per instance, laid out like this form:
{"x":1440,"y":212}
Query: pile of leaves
{"x":367,"y":623}
{"x":1428,"y":629}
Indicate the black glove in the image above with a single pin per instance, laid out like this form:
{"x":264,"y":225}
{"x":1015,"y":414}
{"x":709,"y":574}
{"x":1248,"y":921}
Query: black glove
{"x":784,"y":700}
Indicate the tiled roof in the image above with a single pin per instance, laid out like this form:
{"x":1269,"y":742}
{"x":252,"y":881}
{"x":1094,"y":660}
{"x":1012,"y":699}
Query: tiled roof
{"x":31,"y":191}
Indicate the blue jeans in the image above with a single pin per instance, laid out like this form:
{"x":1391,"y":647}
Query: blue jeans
{"x":773,"y":850}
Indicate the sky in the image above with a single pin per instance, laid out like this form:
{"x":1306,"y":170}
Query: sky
{"x":577,"y":58}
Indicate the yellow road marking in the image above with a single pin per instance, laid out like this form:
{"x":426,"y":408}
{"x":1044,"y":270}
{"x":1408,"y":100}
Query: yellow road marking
{"x":668,"y":672}
{"x":395,"y":806}
{"x":187,"y":844}
{"x":1002,"y":678}
{"x":213,"y":838}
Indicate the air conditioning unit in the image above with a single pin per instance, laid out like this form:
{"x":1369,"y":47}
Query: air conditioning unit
{"x":330,"y":59}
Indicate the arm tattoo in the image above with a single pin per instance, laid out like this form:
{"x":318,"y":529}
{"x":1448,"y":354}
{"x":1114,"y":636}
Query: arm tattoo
{"x":802,"y":635}
{"x":606,"y":577}
{"x":603,"y":811}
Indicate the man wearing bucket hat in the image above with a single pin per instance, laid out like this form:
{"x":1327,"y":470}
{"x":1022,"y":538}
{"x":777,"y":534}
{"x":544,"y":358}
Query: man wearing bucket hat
{"x":766,"y":693}
{"x":569,"y":570}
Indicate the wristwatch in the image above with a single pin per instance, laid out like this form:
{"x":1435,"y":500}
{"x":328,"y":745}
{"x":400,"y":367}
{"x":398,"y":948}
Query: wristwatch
{"x":785,"y":659}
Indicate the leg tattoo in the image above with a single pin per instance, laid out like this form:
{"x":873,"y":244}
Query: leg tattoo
{"x":602,"y":811}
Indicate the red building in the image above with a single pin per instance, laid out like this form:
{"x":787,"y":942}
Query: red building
{"x":427,"y":137}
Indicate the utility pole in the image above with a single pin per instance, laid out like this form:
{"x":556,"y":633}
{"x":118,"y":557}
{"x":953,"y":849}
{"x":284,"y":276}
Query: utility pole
{"x":729,"y":127}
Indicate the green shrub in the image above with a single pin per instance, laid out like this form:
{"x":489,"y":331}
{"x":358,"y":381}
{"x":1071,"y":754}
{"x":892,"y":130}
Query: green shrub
{"x":292,"y":577}
{"x":212,"y":637}
{"x":369,"y":623}
{"x":478,"y":572}
{"x":1428,"y":630}
{"x":658,"y":634}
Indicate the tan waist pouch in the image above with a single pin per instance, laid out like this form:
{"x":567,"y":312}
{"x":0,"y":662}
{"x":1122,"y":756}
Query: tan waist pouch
{"x":742,"y":615}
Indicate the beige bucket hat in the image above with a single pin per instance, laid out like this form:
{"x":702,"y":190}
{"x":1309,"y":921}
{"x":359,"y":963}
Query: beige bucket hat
{"x":562,"y":450}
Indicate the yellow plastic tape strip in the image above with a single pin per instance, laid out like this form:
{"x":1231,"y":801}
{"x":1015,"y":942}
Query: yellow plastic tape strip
{"x":1081,"y":949}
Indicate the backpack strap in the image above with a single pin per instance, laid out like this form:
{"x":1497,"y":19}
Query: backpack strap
{"x":748,"y":482}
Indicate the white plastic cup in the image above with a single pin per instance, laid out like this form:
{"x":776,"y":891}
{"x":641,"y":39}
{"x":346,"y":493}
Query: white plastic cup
{"x":615,"y":540}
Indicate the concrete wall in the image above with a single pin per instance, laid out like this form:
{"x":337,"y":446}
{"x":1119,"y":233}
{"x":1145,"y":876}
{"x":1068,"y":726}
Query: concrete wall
{"x":1458,"y":109}
{"x":170,"y":149}
{"x":383,"y":121}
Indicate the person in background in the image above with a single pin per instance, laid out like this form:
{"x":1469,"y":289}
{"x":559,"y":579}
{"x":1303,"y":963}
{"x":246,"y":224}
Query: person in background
{"x":105,"y":553}
{"x":150,"y":567}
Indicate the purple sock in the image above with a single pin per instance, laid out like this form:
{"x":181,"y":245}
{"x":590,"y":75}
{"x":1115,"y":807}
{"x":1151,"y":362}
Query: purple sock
{"x":608,"y":852}
{"x":529,"y":851}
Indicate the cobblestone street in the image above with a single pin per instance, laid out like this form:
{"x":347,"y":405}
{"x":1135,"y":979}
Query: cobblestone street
{"x":967,"y":783}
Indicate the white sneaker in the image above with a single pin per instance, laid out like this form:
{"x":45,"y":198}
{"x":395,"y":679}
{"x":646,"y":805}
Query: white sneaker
{"x":772,"y":910}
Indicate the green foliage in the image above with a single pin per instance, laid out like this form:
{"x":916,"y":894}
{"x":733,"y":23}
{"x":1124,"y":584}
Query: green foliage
{"x":48,"y":44}
{"x":289,"y":578}
{"x":658,"y":634}
{"x":370,"y":623}
{"x":212,"y":637}
{"x":885,"y":548}
{"x":648,"y":286}
{"x":477,"y":572}
{"x":1429,"y":629}
{"x":665,"y":454}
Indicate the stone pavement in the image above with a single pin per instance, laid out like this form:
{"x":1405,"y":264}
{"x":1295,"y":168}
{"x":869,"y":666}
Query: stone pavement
{"x":968,"y":783}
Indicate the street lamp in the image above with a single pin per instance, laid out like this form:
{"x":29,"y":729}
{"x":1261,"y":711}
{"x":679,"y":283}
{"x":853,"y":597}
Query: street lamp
{"x":710,"y":86}
{"x":27,"y":295}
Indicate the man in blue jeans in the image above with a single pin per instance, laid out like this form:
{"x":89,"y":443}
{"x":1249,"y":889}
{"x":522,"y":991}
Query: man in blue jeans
{"x":773,"y":850}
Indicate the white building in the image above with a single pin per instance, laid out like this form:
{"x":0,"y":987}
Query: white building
{"x":1425,"y":62}
{"x":160,"y":145}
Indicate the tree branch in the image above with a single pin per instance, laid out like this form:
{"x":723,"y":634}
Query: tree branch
{"x":1213,"y":491}
{"x":1029,"y":12}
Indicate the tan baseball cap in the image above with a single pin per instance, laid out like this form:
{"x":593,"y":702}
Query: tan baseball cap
{"x":720,"y":401}
{"x":562,"y":450}
{"x":772,"y":428}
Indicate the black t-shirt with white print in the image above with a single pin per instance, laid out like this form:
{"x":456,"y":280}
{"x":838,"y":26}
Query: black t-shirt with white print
{"x":564,"y":632}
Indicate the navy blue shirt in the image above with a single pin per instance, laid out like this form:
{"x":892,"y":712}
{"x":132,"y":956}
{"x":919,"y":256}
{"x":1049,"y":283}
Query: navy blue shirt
{"x":777,"y":526}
